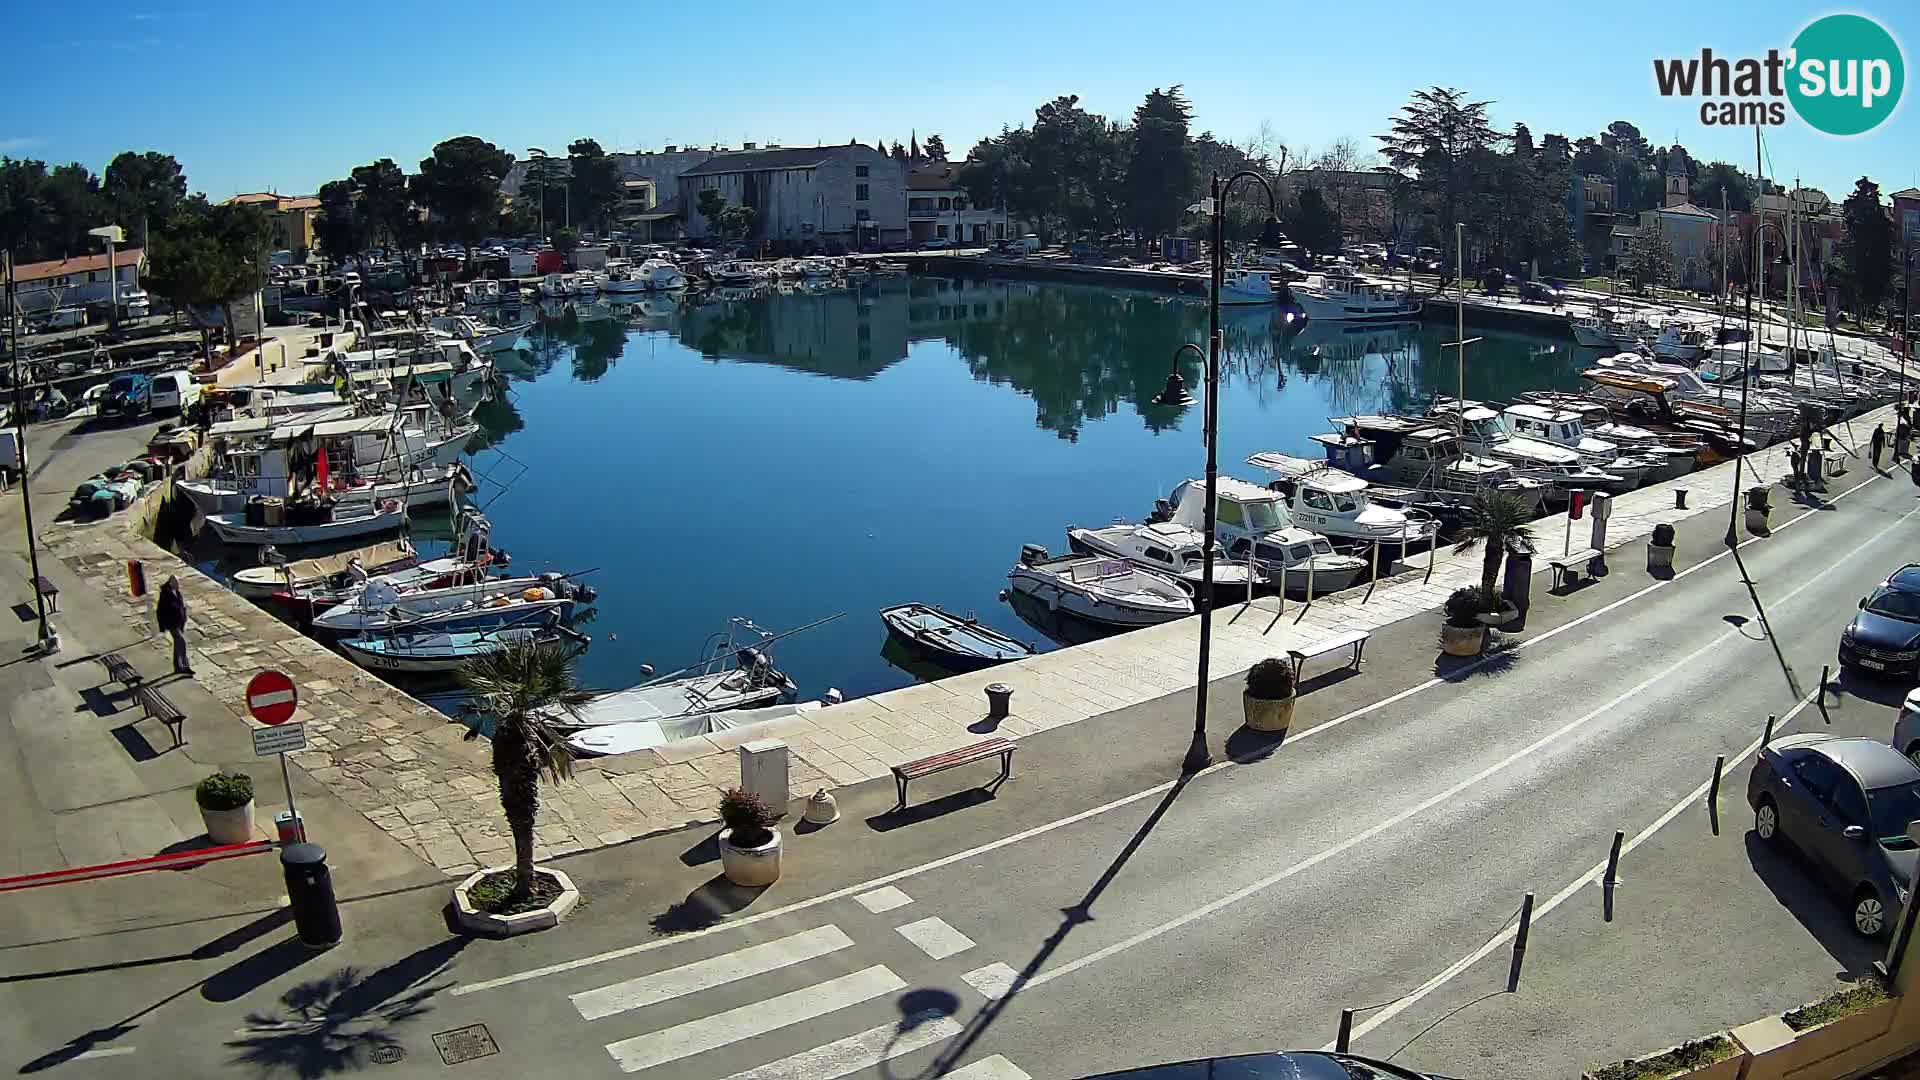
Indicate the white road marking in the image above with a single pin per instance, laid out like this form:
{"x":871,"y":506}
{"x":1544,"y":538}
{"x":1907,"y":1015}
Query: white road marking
{"x":994,"y":980}
{"x":883,"y":899}
{"x":990,"y":1068}
{"x":936,"y":937}
{"x":854,"y":1053}
{"x":751,"y":1020}
{"x":1499,"y":941}
{"x":713,"y":971}
{"x":1524,"y":752}
{"x":1071,"y":819}
{"x":104,"y":1052}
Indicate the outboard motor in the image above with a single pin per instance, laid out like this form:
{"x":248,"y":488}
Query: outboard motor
{"x":1032,"y":553}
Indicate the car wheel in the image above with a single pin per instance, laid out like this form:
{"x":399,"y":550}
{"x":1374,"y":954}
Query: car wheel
{"x":1869,"y":914}
{"x":1766,"y":820}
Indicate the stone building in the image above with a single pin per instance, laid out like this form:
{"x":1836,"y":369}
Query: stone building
{"x":850,"y":196}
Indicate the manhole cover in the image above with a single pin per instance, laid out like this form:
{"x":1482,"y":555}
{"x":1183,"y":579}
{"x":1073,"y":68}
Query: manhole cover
{"x":387,"y":1055}
{"x":465,"y":1044}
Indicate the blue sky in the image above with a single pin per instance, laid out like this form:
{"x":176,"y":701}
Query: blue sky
{"x":286,"y":96}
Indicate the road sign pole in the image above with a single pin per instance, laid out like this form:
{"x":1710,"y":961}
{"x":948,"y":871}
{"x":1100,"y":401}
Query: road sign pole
{"x":286,"y":777}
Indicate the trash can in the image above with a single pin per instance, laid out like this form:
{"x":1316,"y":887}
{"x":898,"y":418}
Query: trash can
{"x":1759,"y":507}
{"x":999,"y":700}
{"x":289,"y":826}
{"x":1816,"y":475}
{"x":1517,"y":586}
{"x":316,"y":916}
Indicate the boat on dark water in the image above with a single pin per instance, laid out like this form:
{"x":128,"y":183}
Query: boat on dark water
{"x":953,"y":641}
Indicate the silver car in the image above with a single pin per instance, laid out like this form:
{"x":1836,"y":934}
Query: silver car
{"x":1847,"y":804}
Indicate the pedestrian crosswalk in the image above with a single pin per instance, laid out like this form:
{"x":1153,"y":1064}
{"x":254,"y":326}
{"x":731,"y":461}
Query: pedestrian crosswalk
{"x":801,"y":1002}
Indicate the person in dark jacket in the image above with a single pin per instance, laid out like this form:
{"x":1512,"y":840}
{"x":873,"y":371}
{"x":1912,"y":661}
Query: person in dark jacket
{"x":171,"y":614}
{"x":1878,"y":445}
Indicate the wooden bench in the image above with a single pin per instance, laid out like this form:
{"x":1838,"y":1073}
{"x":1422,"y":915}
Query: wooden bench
{"x":156,"y":705}
{"x":1568,"y":568}
{"x":953,"y":759}
{"x":119,"y":670}
{"x":1352,"y":639}
{"x":43,"y":587}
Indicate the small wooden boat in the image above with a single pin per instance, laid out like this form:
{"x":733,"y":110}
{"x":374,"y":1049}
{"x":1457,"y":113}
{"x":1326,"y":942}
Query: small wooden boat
{"x":327,"y":523}
{"x":963,"y":644}
{"x":260,"y":582}
{"x":438,"y":652}
{"x":1112,"y":592}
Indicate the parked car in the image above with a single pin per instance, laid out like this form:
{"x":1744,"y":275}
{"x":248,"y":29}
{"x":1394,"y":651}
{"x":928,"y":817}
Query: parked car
{"x":1539,"y":292}
{"x":933,"y":243}
{"x":1289,"y":1065}
{"x":127,"y":396}
{"x":1846,"y":804}
{"x":1884,"y":637}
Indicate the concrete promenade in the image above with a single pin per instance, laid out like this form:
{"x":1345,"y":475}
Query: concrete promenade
{"x":412,"y":774}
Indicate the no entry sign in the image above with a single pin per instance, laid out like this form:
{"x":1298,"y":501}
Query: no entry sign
{"x":271,"y":697}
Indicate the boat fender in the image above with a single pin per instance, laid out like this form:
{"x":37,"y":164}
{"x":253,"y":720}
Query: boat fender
{"x":388,"y":506}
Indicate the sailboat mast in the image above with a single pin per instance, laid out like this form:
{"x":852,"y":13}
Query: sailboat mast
{"x":1460,"y":319}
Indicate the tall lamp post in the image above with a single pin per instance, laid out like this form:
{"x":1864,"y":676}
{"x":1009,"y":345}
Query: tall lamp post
{"x":1906,"y":318}
{"x":113,"y":235}
{"x":49,"y":641}
{"x":1198,"y":757}
{"x":540,"y":155}
{"x":1746,"y":365}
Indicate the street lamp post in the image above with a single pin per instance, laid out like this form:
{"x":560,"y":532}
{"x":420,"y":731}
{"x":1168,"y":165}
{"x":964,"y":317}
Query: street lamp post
{"x":112,"y":234}
{"x":1198,"y":757}
{"x":48,"y":641}
{"x":540,"y":155}
{"x":1906,"y":319}
{"x":1746,"y":366}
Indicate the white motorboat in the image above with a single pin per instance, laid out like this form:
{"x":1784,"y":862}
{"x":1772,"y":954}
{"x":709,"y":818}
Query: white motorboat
{"x":1239,"y":286}
{"x":1679,"y":341}
{"x":1174,"y":550}
{"x":1337,"y":297}
{"x":1593,"y":332}
{"x":621,"y":278}
{"x":429,"y":652}
{"x":1335,"y":504}
{"x":813,"y":268}
{"x":1099,"y":589}
{"x":482,"y":337}
{"x":228,"y":494}
{"x":1629,"y":333}
{"x":1416,"y":462}
{"x":316,"y":523}
{"x":1254,"y":522}
{"x":636,"y":735}
{"x":483,"y":291}
{"x":735,"y":272}
{"x":260,"y":582}
{"x":1483,"y":431}
{"x":1564,"y":427}
{"x":489,"y":602}
{"x":733,"y":676}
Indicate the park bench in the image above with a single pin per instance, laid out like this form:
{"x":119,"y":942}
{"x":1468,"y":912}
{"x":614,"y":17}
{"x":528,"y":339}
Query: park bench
{"x":43,"y":587}
{"x":119,"y":670}
{"x":156,"y":705}
{"x":953,"y":759}
{"x":1568,"y":568}
{"x":1352,"y":639}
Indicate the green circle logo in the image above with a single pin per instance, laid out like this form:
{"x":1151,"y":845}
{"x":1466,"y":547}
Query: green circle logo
{"x":1847,"y":74}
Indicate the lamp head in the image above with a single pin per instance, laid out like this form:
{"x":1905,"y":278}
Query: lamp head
{"x":1176,"y":392}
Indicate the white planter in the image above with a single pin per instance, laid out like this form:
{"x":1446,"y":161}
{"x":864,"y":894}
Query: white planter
{"x":229,"y":826}
{"x":485,"y":922}
{"x":752,"y":866}
{"x":1659,"y":558}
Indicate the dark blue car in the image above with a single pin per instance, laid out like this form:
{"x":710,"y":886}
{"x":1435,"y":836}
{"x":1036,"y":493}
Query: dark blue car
{"x":1884,"y":638}
{"x":1290,"y":1065}
{"x":128,"y":396}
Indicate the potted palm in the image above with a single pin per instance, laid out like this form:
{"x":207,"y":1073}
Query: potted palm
{"x":750,"y":842}
{"x":520,"y":689}
{"x":1497,"y":521}
{"x":226,"y":807}
{"x":1660,"y":548}
{"x":1269,"y":695}
{"x":1461,"y":632}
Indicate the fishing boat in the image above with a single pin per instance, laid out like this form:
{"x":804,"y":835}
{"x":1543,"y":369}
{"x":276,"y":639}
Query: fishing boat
{"x":1099,"y":589}
{"x":289,"y":523}
{"x":261,"y":582}
{"x":481,"y":336}
{"x":1415,"y":462}
{"x":636,"y":735}
{"x":442,"y":651}
{"x":737,"y":273}
{"x":1565,"y":427}
{"x":1593,"y":331}
{"x":483,"y":291}
{"x":483,"y":604}
{"x":1484,"y":432}
{"x":736,"y":672}
{"x":1255,"y":525}
{"x":1346,"y":297}
{"x":1336,"y":504}
{"x":354,"y":459}
{"x":1247,"y":287}
{"x":341,"y":587}
{"x":659,"y":275}
{"x":1171,"y":549}
{"x":1678,"y":341}
{"x":955,"y":642}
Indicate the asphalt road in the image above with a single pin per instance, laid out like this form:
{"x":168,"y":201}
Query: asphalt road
{"x":1370,"y":856}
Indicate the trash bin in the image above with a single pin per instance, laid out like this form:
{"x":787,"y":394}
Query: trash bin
{"x":289,"y":826}
{"x":316,"y":916}
{"x":1816,"y":475}
{"x":1759,"y":507}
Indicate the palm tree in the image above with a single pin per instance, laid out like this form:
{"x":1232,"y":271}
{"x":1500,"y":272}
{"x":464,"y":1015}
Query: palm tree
{"x":517,"y":687}
{"x":1497,"y":520}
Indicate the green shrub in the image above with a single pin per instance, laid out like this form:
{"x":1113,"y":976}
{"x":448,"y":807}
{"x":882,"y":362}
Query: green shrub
{"x":1270,"y":680}
{"x":1684,"y":1058}
{"x":224,"y":791}
{"x":1468,"y":601}
{"x":749,"y":816}
{"x":1859,"y":997}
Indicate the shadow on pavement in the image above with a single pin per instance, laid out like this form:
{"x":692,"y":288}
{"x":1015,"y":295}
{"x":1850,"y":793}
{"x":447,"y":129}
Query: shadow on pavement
{"x":932,"y":808}
{"x":328,"y":1025}
{"x":1786,"y":874}
{"x":1766,"y":628}
{"x":1879,"y":691}
{"x":1498,"y":659}
{"x":713,"y":900}
{"x":1246,"y":745}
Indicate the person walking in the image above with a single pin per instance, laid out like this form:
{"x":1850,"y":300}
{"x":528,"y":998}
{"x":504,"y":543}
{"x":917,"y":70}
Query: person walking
{"x":171,"y":614}
{"x":1877,"y":446}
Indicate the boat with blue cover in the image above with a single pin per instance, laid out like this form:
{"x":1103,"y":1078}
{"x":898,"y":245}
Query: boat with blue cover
{"x":432,"y":652}
{"x":962,"y":643}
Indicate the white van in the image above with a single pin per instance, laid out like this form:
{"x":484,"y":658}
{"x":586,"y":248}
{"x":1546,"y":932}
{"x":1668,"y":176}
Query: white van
{"x":174,"y":391}
{"x":66,"y":318}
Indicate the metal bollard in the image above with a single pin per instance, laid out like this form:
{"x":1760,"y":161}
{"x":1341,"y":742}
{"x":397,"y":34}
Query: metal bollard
{"x":1520,"y":944}
{"x":999,"y":700}
{"x":1679,"y":498}
{"x":1343,"y":1041}
{"x":1766,"y":737}
{"x":1713,"y":793}
{"x":1613,"y":860}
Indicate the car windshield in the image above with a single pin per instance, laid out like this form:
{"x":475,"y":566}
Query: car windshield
{"x":1895,"y":605}
{"x":1891,"y":810}
{"x":120,"y":385}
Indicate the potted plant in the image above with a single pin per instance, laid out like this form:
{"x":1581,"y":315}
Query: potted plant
{"x":1462,"y":633}
{"x":749,"y":844}
{"x":1660,"y":549}
{"x":1269,"y":695}
{"x":1498,"y":522}
{"x":226,"y":807}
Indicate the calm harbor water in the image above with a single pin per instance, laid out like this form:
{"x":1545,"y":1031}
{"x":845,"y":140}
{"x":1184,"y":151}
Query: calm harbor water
{"x":793,"y":454}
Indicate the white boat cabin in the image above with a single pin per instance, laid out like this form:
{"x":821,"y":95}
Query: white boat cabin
{"x":1335,"y":503}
